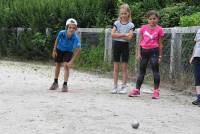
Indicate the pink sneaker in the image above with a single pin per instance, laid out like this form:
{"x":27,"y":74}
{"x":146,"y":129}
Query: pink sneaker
{"x":134,"y":93}
{"x":156,"y":94}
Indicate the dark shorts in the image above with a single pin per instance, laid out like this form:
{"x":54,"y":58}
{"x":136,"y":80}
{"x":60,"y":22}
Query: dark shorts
{"x":196,"y":63}
{"x":120,"y":51}
{"x":63,"y":56}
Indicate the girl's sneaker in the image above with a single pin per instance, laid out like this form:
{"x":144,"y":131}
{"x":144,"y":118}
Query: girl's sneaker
{"x":134,"y":93}
{"x":64,"y":88}
{"x":123,"y":89}
{"x":114,"y":90}
{"x":196,"y":102}
{"x":156,"y":94}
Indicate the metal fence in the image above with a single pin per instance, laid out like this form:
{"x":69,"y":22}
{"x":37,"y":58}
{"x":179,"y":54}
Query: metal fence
{"x":178,"y":43}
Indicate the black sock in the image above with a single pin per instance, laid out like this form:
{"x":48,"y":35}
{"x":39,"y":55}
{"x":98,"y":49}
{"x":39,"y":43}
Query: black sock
{"x":56,"y":81}
{"x":65,"y":83}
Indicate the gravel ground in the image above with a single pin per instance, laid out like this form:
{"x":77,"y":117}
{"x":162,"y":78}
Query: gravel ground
{"x":28,"y":107}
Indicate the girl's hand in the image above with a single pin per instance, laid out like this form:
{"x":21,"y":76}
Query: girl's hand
{"x":54,"y":53}
{"x":139,"y":57}
{"x":129,"y":36}
{"x":191,"y":59}
{"x":159,"y":59}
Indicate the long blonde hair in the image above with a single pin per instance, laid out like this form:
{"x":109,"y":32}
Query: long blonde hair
{"x":125,"y":6}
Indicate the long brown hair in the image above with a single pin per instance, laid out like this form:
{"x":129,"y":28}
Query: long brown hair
{"x":152,"y":12}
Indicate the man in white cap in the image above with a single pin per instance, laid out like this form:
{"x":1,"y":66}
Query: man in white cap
{"x":66,"y":50}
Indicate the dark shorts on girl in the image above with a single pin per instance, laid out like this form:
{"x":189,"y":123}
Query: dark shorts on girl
{"x":63,"y":56}
{"x":120,"y":51}
{"x":196,"y":63}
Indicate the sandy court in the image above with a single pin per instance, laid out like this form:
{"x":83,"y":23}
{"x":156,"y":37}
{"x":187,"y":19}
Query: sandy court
{"x":28,"y":107}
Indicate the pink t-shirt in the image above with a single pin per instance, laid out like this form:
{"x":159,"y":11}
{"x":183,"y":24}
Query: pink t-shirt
{"x":150,"y":36}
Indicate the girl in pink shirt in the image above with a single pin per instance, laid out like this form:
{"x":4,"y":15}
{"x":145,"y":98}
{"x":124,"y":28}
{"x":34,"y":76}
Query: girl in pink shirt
{"x":150,"y":49}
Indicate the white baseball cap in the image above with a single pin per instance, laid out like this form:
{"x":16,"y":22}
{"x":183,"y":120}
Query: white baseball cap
{"x":71,"y":21}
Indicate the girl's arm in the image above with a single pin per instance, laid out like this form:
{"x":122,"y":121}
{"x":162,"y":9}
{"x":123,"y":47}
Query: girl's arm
{"x":160,"y":48}
{"x":192,"y":56}
{"x":138,"y":52}
{"x":129,"y":35}
{"x":115,"y":34}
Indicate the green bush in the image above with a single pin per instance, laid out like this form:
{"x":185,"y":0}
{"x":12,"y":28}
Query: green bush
{"x":137,"y":13}
{"x":151,"y":4}
{"x":192,"y":20}
{"x":39,"y":14}
{"x":92,"y":59}
{"x":170,"y":16}
{"x":33,"y":46}
{"x":41,"y":50}
{"x":27,"y":45}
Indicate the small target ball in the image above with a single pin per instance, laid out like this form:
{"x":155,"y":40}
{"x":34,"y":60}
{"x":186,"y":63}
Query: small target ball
{"x":135,"y":124}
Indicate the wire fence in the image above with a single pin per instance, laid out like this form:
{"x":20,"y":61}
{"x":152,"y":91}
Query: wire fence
{"x":97,"y":50}
{"x":175,"y":67}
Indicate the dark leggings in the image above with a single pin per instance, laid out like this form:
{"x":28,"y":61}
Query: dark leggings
{"x":152,"y":55}
{"x":196,"y":63}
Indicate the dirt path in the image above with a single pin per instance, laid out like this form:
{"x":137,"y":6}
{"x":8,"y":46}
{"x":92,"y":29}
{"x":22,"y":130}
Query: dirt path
{"x":27,"y":107}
